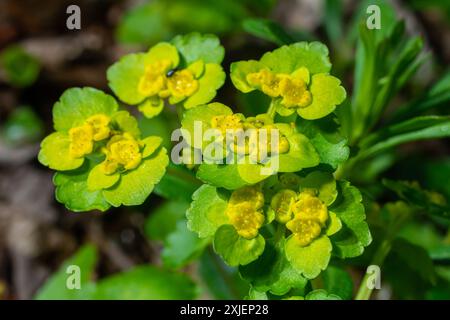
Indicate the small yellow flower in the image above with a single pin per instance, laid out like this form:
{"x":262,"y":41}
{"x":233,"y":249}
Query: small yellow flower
{"x":81,"y":140}
{"x":304,"y":214}
{"x":292,"y":88}
{"x":182,"y":84}
{"x":228,"y":122}
{"x":245,"y":211}
{"x":282,"y":205}
{"x":245,"y":219}
{"x":305,"y":231}
{"x":122,"y":152}
{"x":295,"y":93}
{"x":100,"y":126}
{"x":310,"y":207}
{"x":267,"y":81}
{"x":154,"y":79}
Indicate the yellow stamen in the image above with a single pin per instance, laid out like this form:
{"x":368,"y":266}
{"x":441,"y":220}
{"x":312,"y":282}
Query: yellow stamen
{"x":81,"y":141}
{"x":182,"y":84}
{"x":100,"y":125}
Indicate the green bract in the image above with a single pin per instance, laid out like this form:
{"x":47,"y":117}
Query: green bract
{"x":221,"y":170}
{"x":185,"y":71}
{"x":98,"y":152}
{"x":296,"y":77}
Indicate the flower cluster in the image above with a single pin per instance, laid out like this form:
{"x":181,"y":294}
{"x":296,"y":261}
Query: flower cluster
{"x":99,"y":148}
{"x":184,"y":72}
{"x":296,"y":77}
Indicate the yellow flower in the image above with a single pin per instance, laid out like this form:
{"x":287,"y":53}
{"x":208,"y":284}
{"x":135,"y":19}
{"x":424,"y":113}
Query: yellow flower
{"x":81,"y":140}
{"x":295,"y":93}
{"x":305,"y":231}
{"x":282,"y":205}
{"x":292,"y":88}
{"x":154,"y":79}
{"x":182,"y":84}
{"x":122,"y":152}
{"x":228,"y":122}
{"x":245,"y":211}
{"x":310,"y":207}
{"x":267,"y":81}
{"x":245,"y":219}
{"x":100,"y":126}
{"x":304,"y":214}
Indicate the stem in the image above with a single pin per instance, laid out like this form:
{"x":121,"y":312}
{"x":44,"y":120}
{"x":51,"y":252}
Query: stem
{"x":180,"y":109}
{"x":279,"y":233}
{"x":364,"y":292}
{"x":271,"y":111}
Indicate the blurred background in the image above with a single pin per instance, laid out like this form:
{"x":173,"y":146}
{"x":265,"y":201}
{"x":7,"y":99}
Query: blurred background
{"x":40,"y":58}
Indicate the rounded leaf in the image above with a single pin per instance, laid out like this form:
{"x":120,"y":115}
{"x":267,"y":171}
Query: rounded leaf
{"x":77,"y":104}
{"x":195,"y":46}
{"x":289,"y":58}
{"x":323,"y":182}
{"x":236,"y":250}
{"x":124,"y":76}
{"x":55,"y":153}
{"x":137,"y":184}
{"x":98,"y":180}
{"x":207,"y":211}
{"x":326,"y":93}
{"x":309,"y":260}
{"x":211,"y":80}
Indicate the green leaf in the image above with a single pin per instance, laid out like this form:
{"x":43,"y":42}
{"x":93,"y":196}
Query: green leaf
{"x":98,"y":180}
{"x":301,"y":152}
{"x":125,"y":122}
{"x":136,"y":185}
{"x":239,"y":71}
{"x":151,"y":144}
{"x":22,"y":126}
{"x":151,"y":108}
{"x":309,"y":260}
{"x":146,"y":283}
{"x":222,"y":175}
{"x":55,"y":153}
{"x":163,"y":220}
{"x":211,"y":80}
{"x":21,"y":68}
{"x":321,"y":294}
{"x":234,"y":249}
{"x":432,"y":202}
{"x":77,"y":104}
{"x":355,"y":235}
{"x":207,"y":211}
{"x":72,"y":190}
{"x":416,"y":258}
{"x":272,"y":272}
{"x":178,"y":184}
{"x":267,"y":30}
{"x":287,"y":59}
{"x":182,"y":246}
{"x":195,"y":46}
{"x":323,"y":182}
{"x":55,"y":288}
{"x":333,"y":20}
{"x":326,"y":93}
{"x":339,"y":282}
{"x":124,"y":76}
{"x":325,"y":136}
{"x":223,"y":282}
{"x":436,"y":96}
{"x":203,"y":115}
